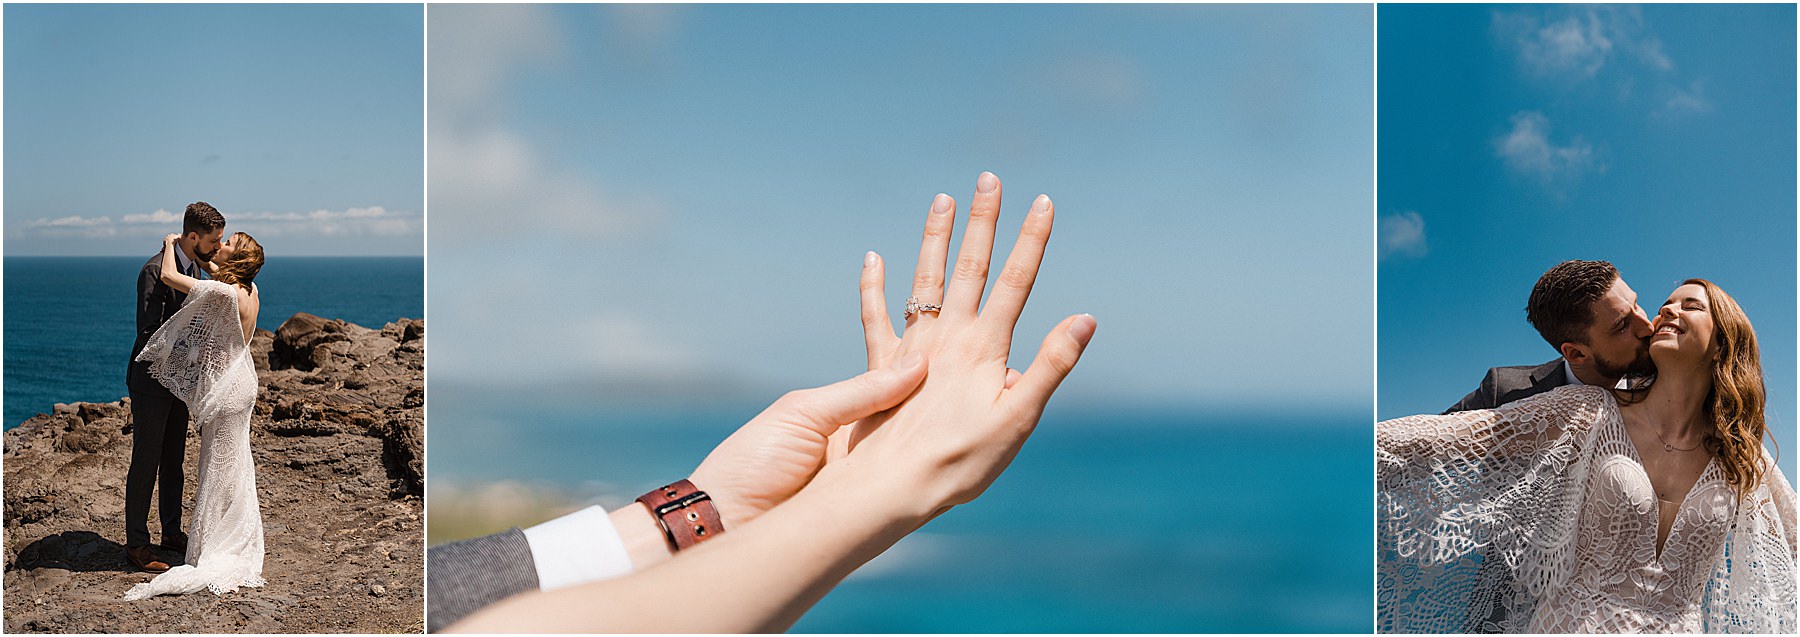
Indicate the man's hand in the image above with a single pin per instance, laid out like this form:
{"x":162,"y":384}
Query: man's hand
{"x":771,"y":457}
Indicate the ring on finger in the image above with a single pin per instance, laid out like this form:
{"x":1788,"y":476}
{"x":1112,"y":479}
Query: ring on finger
{"x":913,"y":306}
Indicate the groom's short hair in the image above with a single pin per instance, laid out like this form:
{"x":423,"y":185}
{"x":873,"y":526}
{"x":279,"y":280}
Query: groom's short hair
{"x":1562,"y":303}
{"x":201,"y":217}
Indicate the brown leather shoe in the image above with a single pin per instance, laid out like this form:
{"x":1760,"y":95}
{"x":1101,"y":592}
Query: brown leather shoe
{"x":142,"y":557}
{"x":176,"y":542}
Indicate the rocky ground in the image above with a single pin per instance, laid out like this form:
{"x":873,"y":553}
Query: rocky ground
{"x":338,"y":439}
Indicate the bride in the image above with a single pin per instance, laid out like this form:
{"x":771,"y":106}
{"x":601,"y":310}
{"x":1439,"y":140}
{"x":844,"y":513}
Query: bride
{"x":1648,"y":510}
{"x":202,"y":355}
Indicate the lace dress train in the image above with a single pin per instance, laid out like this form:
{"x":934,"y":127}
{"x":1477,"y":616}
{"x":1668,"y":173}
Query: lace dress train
{"x":201,"y":356}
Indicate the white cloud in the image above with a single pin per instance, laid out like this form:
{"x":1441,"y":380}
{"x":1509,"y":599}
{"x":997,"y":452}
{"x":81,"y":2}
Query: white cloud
{"x":489,"y":185}
{"x":70,"y":227}
{"x":1573,"y":45}
{"x":488,"y":182}
{"x":483,"y":44}
{"x":620,"y":343}
{"x":1527,"y":149}
{"x":160,"y":217}
{"x":1686,"y":101}
{"x":1581,"y":43}
{"x":373,"y":221}
{"x":1401,"y":235}
{"x":72,"y":221}
{"x":494,"y":189}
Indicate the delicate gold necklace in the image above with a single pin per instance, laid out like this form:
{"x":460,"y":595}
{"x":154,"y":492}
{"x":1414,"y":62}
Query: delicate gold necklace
{"x":1668,"y":448}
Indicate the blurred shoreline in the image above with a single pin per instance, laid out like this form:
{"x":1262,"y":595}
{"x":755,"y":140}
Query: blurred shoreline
{"x":463,"y":511}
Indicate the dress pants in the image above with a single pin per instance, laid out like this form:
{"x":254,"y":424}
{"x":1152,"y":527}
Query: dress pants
{"x":158,"y":443}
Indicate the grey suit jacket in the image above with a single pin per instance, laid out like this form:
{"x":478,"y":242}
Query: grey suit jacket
{"x":1506,"y":384}
{"x":467,"y":576}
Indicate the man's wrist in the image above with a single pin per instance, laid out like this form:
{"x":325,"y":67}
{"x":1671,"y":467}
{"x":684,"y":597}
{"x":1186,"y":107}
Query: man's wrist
{"x":685,"y":513}
{"x":732,"y":512}
{"x":642,"y":535}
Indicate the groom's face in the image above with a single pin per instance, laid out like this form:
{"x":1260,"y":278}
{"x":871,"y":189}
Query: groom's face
{"x":205,"y":246}
{"x":1619,"y":336}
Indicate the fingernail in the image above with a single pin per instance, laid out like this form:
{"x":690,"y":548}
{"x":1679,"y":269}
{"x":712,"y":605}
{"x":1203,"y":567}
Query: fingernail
{"x":910,"y":361}
{"x":940,"y":204}
{"x":869,"y":259}
{"x":1082,"y":328}
{"x":987,"y":182}
{"x":1041,"y":204}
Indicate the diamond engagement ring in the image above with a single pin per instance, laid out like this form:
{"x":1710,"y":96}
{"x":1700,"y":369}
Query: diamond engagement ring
{"x":913,"y":306}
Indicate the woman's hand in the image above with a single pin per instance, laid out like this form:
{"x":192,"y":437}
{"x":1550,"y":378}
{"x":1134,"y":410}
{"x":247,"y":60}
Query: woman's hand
{"x":950,"y":440}
{"x":171,"y":275}
{"x":771,"y":457}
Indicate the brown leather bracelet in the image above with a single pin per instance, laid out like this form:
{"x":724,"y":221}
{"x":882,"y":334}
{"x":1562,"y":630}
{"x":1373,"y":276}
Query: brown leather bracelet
{"x":685,"y":512}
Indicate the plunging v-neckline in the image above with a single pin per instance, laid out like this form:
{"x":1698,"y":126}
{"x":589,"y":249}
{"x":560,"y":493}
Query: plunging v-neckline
{"x":1637,"y":459}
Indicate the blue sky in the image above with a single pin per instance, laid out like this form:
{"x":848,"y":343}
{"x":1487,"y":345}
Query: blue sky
{"x":1660,"y":138}
{"x":302,"y":123}
{"x":681,"y":196}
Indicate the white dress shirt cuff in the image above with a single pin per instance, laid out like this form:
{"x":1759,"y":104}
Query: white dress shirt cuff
{"x":577,"y":548}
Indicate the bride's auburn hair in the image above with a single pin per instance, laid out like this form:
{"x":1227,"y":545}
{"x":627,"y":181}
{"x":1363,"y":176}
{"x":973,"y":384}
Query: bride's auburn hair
{"x":1735,"y":404}
{"x":244,"y":263}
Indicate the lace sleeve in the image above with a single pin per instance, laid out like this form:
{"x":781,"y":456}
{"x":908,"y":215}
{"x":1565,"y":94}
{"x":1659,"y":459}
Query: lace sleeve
{"x":1752,"y":588}
{"x":1475,"y":510}
{"x":1521,"y":428}
{"x":1782,"y":496}
{"x":197,"y":345}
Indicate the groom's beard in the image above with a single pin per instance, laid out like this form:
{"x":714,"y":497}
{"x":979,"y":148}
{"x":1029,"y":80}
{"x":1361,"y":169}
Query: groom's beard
{"x":1640,"y":366}
{"x":205,"y":257}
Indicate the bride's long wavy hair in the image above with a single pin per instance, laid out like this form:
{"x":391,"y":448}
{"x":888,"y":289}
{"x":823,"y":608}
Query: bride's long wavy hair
{"x":1735,"y":404}
{"x":244,"y":263}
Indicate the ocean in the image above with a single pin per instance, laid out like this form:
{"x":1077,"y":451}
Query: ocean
{"x":70,"y":321}
{"x":1108,"y":521}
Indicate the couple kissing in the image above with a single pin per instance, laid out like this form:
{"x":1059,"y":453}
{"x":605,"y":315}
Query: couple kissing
{"x":197,"y":304}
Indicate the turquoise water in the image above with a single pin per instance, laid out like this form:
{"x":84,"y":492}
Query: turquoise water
{"x":70,"y":321}
{"x":1108,"y":521}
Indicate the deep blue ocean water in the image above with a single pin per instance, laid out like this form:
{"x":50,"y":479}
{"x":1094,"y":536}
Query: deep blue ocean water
{"x":70,"y":322}
{"x":1108,"y":521}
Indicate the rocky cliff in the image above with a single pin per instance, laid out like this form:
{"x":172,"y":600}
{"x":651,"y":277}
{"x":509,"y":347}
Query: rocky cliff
{"x":339,"y":447}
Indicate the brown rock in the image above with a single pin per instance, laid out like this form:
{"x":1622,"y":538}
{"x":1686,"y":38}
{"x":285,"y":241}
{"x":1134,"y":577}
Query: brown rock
{"x":338,"y":441}
{"x":298,"y":337}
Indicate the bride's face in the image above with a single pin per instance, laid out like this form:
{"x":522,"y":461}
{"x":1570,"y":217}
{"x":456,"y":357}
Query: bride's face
{"x":227,"y":248}
{"x":1683,"y":330}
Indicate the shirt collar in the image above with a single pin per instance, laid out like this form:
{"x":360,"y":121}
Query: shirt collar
{"x":185,"y":264}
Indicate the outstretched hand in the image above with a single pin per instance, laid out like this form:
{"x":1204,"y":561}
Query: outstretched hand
{"x":964,"y":426}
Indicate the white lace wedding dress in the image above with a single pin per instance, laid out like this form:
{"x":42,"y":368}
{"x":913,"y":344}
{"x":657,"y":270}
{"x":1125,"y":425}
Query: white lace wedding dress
{"x":201,"y":356}
{"x":1539,"y":517}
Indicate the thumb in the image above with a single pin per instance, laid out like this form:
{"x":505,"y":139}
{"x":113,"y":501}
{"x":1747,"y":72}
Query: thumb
{"x":1062,"y":348}
{"x":824,"y":409}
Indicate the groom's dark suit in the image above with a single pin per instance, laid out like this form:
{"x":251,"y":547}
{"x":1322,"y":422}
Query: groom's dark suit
{"x":159,"y":421}
{"x":1506,"y":384}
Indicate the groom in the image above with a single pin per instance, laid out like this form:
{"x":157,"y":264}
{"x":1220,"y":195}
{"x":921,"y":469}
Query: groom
{"x":1585,"y":311}
{"x":159,"y":420}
